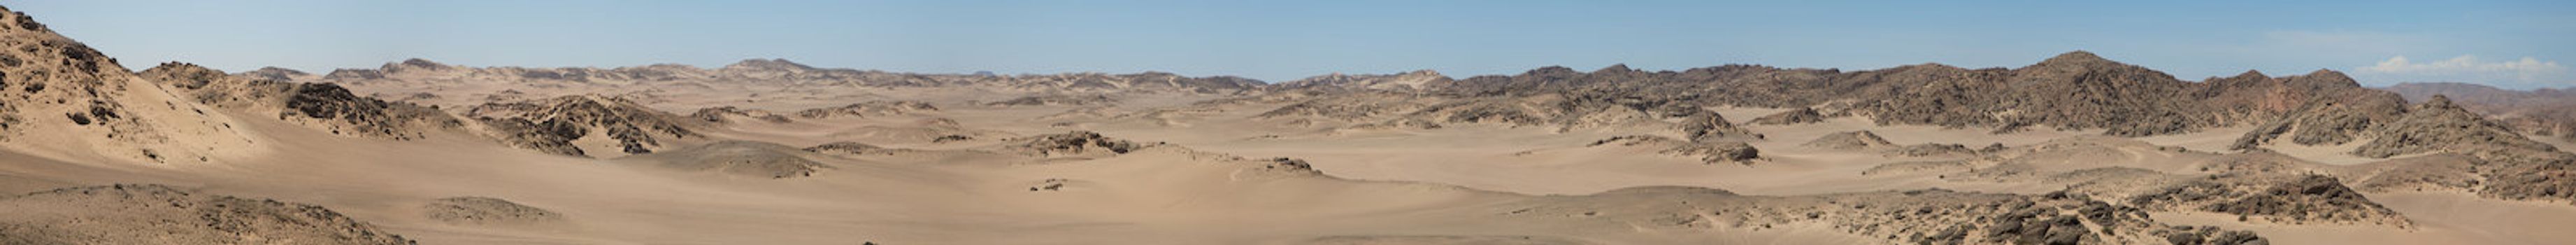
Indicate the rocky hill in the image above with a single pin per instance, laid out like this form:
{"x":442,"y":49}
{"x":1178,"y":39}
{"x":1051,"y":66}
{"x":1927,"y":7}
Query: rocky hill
{"x":60,"y":98}
{"x":2544,"y":112}
{"x":552,"y":125}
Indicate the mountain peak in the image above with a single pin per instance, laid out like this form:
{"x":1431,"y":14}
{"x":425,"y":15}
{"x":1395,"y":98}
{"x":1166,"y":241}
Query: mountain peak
{"x":1621,"y":67}
{"x":2078,"y":57}
{"x":768,"y":64}
{"x":2252,"y":74}
{"x":415,"y":63}
{"x":2438,"y":102}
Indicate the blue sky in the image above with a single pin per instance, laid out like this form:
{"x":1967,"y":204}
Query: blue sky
{"x":2514,"y":44}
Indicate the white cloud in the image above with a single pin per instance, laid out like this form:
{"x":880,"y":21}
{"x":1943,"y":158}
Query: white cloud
{"x":2527,"y":71}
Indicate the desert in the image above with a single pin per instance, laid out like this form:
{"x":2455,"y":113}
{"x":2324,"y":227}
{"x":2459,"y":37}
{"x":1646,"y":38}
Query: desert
{"x":2074,"y":148}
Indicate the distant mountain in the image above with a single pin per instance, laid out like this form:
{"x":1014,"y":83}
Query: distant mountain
{"x":770,"y":72}
{"x":2075,"y":91}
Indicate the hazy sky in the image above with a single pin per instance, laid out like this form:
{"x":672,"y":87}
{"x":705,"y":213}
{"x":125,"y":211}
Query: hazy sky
{"x":2515,"y":44}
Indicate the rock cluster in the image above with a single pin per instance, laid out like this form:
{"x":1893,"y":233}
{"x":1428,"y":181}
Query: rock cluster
{"x":1076,"y":143}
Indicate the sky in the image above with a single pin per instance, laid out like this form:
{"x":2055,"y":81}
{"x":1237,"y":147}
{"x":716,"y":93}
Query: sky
{"x":2511,"y":44}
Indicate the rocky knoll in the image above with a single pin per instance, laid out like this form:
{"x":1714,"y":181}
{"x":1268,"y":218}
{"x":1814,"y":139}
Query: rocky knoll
{"x":156,"y":214}
{"x":52,"y":87}
{"x":551,"y":125}
{"x":321,"y":106}
{"x":746,"y":158}
{"x":2076,"y":90}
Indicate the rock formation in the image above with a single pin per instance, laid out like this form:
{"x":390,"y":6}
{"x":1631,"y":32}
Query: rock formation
{"x":1707,"y":152}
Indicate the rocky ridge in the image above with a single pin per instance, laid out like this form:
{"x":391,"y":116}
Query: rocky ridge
{"x":321,"y":106}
